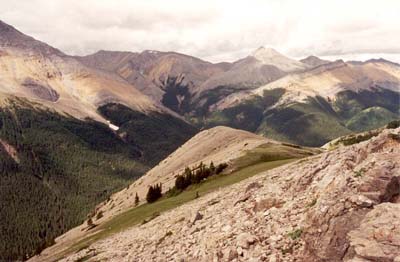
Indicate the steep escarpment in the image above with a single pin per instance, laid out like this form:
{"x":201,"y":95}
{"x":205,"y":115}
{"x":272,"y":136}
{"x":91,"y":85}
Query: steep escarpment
{"x":341,"y":205}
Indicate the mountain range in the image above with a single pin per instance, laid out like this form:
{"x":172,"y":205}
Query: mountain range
{"x":266,"y":92}
{"x":76,"y":129}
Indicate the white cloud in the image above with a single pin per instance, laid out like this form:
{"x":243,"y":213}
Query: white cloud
{"x":213,"y":29}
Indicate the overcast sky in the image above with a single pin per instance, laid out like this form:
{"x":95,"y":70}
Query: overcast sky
{"x":214,"y":30}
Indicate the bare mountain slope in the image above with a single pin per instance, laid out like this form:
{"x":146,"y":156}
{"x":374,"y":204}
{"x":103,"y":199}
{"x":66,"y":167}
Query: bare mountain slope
{"x":329,"y":79}
{"x":12,"y":38}
{"x":342,"y":205}
{"x":270,"y":56}
{"x":167,"y":77}
{"x":36,"y":71}
{"x":246,"y":73}
{"x":263,"y":66}
{"x":186,"y":84}
{"x":326,"y":81}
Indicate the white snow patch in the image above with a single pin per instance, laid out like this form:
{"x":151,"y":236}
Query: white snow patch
{"x":113,"y":127}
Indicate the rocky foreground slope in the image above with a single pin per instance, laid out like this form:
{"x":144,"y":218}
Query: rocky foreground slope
{"x":342,"y":205}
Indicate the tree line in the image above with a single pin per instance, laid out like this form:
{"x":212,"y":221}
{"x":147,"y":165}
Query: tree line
{"x":189,"y":177}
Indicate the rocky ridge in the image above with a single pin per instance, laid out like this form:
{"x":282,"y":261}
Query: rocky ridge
{"x":342,"y":205}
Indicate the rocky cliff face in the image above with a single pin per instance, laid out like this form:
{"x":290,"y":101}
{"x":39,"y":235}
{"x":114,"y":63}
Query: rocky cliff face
{"x":342,"y":205}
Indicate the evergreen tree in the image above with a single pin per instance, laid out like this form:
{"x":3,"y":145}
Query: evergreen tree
{"x":136,"y":200}
{"x":150,"y":195}
{"x":221,"y":168}
{"x":212,"y":167}
{"x":154,"y":193}
{"x":180,"y":182}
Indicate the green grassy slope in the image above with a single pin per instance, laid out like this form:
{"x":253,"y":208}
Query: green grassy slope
{"x":66,"y":166}
{"x":313,"y":122}
{"x":371,"y":118}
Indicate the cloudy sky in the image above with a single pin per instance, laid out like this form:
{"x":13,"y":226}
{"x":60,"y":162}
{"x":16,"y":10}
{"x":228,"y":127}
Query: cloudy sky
{"x":215,"y":30}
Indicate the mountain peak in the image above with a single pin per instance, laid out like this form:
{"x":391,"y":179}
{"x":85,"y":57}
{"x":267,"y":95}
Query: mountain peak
{"x":270,"y":56}
{"x":5,"y":27}
{"x":314,"y":61}
{"x":8,"y":35}
{"x":265,"y":51}
{"x":12,"y":38}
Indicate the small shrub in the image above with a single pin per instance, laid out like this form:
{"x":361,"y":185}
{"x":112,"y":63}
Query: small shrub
{"x":357,"y":139}
{"x":99,"y":215}
{"x":359,"y":173}
{"x":394,"y":137}
{"x":394,"y":124}
{"x":90,"y":223}
{"x":312,"y":203}
{"x":296,"y":234}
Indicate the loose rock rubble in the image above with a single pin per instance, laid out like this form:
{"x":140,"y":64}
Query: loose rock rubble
{"x":342,"y":205}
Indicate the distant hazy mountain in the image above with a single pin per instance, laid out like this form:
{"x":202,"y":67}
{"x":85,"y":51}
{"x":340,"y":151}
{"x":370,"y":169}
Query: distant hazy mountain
{"x":314,"y":61}
{"x":270,"y":56}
